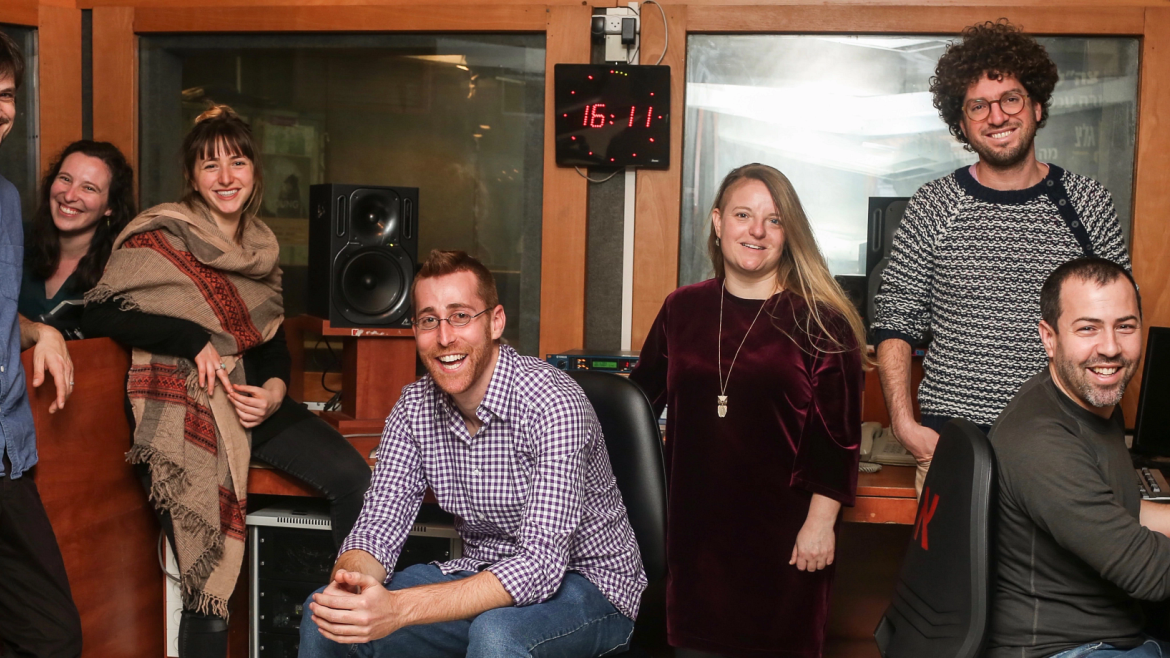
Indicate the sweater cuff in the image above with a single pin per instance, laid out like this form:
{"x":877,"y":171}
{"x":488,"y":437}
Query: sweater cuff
{"x":880,"y":335}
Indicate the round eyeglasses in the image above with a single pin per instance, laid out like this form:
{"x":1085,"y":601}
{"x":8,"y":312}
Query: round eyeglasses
{"x":1010,"y":104}
{"x":456,"y":319}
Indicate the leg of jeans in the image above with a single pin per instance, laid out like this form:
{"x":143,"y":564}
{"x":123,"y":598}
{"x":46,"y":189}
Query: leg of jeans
{"x":37,"y":613}
{"x":1149,"y":649}
{"x":437,"y":640}
{"x":314,"y":452}
{"x":576,"y":622}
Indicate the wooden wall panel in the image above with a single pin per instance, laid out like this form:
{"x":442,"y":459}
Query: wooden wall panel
{"x":86,"y":4}
{"x":19,"y":12}
{"x":411,"y":18}
{"x":104,"y":525}
{"x":562,"y":251}
{"x":115,"y":79}
{"x":1151,"y":199}
{"x":1094,"y":19}
{"x":657,"y":216}
{"x":59,"y":36}
{"x":400,"y":4}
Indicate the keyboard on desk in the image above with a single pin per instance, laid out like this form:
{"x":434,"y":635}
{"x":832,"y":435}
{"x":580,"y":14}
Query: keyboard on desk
{"x":1152,"y":484}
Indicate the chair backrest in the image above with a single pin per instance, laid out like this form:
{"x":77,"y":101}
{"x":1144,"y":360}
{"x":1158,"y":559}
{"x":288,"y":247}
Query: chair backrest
{"x":634,"y":445}
{"x":942,"y":599}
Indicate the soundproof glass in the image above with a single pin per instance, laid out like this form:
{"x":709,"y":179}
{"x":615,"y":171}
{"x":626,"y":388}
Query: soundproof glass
{"x":460,"y":117}
{"x":847,"y":118}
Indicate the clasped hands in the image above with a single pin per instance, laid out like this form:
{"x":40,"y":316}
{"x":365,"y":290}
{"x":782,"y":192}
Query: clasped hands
{"x":355,"y":608}
{"x":254,"y":404}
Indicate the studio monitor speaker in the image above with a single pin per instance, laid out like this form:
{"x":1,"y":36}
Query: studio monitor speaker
{"x":363,"y":246}
{"x":885,"y":214}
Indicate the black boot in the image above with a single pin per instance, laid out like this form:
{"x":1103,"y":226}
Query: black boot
{"x":202,"y":636}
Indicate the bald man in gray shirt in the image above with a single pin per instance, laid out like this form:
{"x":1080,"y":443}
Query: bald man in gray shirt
{"x":1076,"y":546}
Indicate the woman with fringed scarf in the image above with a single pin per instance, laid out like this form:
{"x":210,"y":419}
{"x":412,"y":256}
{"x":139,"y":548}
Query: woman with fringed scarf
{"x":194,"y":288}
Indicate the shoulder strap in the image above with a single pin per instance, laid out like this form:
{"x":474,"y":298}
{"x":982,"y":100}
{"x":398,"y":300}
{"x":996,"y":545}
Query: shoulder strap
{"x":1054,"y":188}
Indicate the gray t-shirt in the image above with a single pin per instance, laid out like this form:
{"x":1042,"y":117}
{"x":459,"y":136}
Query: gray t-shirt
{"x":1071,"y":555}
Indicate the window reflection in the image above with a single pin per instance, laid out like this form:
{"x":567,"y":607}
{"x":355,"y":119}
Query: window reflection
{"x":847,"y":118}
{"x":460,"y":118}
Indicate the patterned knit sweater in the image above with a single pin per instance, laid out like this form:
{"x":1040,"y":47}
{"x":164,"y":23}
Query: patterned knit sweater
{"x":967,"y":265}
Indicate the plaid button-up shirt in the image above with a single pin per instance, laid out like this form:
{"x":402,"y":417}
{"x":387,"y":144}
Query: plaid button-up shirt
{"x":532,"y":492}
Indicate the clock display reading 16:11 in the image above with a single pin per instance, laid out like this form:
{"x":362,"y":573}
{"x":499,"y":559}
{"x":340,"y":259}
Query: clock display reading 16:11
{"x":595,"y":116}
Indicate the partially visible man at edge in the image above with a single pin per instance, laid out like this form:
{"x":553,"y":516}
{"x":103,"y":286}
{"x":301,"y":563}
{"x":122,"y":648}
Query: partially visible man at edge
{"x":974,"y":247}
{"x":37,"y":614}
{"x":511,"y":447}
{"x":1076,"y":544}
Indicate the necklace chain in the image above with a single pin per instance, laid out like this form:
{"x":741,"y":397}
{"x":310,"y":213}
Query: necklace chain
{"x":722,"y":399}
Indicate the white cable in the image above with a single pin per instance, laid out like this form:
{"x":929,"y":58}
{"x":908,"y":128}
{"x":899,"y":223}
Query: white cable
{"x":594,"y":180}
{"x":665,"y":30}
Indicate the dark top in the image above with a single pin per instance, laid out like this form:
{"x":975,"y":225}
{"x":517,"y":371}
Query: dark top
{"x":34,"y":304}
{"x":1071,"y":555}
{"x":740,"y":486}
{"x":161,"y":334}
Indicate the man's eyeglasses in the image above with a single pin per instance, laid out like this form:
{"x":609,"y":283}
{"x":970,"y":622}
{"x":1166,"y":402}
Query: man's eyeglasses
{"x":1010,"y":103}
{"x":456,"y":319}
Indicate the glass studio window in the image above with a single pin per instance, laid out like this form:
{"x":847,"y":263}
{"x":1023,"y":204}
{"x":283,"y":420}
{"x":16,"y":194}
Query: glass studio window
{"x":459,"y":117}
{"x":847,"y":118}
{"x":19,"y":153}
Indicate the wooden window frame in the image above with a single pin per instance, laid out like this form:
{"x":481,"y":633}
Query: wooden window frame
{"x":562,"y":287}
{"x":59,"y":75}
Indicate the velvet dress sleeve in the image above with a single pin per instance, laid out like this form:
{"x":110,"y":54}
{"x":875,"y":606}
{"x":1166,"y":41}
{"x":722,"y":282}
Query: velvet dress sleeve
{"x":828,"y":448}
{"x":650,"y":373}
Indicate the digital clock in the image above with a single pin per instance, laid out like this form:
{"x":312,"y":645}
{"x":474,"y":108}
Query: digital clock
{"x":612,"y":116}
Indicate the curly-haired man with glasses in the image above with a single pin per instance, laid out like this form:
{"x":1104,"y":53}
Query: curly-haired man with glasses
{"x":975,"y":246}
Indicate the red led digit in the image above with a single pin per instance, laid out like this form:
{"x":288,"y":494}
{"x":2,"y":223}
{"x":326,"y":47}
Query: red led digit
{"x":632,"y":108}
{"x":588,"y":109}
{"x":648,"y":115}
{"x":598,"y":118}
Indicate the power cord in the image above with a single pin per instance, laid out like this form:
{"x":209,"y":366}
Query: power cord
{"x":594,"y":180}
{"x":162,"y":564}
{"x":665,"y":32}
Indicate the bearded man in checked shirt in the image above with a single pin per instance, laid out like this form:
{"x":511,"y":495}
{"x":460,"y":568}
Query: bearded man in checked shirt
{"x":511,"y":447}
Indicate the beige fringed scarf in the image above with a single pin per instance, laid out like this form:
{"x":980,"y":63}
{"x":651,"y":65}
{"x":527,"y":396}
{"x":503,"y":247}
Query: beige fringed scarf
{"x":173,"y":260}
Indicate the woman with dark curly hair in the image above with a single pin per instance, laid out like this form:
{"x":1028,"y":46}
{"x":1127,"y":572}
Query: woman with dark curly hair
{"x":86,"y":199}
{"x":975,"y":246}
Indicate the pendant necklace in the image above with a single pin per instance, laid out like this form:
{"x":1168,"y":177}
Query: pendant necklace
{"x":722,"y":397}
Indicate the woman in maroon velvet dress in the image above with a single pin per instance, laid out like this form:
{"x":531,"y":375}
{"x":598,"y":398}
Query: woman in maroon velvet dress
{"x":762,"y":376}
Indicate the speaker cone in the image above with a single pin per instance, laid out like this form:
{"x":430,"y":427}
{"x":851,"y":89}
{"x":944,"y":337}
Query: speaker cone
{"x":372,"y":283}
{"x":374,"y":217}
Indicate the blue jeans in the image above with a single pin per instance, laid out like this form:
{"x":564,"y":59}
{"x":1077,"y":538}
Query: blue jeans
{"x":576,"y":622}
{"x":1148,"y":649}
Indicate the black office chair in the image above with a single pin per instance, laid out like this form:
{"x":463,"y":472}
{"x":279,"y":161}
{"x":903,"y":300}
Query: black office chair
{"x":635,"y":452}
{"x":942,"y":599}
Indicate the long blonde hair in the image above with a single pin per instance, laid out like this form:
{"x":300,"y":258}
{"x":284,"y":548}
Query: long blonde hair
{"x":802,"y":268}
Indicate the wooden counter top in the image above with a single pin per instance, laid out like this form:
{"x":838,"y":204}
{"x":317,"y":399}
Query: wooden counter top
{"x":885,"y":497}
